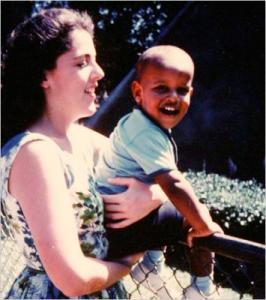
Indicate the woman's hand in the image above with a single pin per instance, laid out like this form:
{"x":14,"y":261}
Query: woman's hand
{"x":132,"y":205}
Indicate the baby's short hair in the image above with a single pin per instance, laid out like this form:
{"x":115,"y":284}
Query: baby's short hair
{"x":157,"y":56}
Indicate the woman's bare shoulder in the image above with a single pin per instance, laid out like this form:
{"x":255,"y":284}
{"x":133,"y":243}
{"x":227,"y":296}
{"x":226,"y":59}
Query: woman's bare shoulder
{"x":91,"y":135}
{"x":38,"y":152}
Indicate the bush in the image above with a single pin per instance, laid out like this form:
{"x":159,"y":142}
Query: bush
{"x":238,"y":206}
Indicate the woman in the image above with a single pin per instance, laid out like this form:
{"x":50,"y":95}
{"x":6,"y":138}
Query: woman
{"x":49,"y":202}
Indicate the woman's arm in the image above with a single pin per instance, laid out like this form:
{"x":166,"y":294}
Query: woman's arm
{"x":134,"y":204}
{"x":37,"y":181}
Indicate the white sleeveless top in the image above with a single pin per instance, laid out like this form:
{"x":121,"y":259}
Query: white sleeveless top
{"x":86,"y":202}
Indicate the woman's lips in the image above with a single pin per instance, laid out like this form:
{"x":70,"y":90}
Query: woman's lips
{"x":91,"y":93}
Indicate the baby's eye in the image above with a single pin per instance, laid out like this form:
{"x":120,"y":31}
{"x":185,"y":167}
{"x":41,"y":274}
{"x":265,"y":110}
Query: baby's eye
{"x":182,"y":91}
{"x":161,"y":89}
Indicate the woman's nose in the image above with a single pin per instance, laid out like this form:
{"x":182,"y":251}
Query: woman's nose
{"x":98,"y":72}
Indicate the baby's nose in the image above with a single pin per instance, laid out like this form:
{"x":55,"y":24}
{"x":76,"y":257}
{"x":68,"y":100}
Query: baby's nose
{"x":174,"y":96}
{"x":178,"y":95}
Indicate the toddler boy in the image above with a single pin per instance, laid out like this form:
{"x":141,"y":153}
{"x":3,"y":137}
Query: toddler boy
{"x":141,"y":146}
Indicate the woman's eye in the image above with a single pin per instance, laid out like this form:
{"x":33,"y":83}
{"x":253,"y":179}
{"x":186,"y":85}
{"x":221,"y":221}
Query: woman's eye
{"x":83,"y":64}
{"x":161,"y":89}
{"x":182,"y":91}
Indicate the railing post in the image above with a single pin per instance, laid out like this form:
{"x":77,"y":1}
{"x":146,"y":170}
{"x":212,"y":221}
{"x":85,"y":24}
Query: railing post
{"x":258,"y":270}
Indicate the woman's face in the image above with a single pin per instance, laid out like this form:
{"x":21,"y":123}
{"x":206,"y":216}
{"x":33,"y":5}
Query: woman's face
{"x":71,"y":85}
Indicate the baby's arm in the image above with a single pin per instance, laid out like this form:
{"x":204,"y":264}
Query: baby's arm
{"x":180,"y":192}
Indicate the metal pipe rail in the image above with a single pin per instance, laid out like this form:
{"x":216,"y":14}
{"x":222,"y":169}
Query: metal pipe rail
{"x":232,"y":247}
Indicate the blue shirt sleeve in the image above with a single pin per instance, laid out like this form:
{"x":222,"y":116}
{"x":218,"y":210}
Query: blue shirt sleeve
{"x":153,"y":151}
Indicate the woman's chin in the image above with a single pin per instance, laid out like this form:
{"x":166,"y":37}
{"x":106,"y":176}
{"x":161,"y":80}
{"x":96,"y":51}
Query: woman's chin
{"x":92,"y":109}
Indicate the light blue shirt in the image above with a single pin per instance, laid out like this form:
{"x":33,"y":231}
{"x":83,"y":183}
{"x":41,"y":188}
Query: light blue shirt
{"x":138,"y":148}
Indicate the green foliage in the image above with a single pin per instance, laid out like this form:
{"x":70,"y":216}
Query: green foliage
{"x":143,"y":21}
{"x":238,"y":206}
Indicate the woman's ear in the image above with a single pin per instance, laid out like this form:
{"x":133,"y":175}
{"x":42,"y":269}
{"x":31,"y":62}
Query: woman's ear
{"x":136,"y":89}
{"x":45,"y":84}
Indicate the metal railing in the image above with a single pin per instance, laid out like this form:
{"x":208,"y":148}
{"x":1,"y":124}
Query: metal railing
{"x":232,"y":247}
{"x":239,"y":268}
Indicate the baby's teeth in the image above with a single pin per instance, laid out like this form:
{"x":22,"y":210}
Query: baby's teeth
{"x":170,"y":108}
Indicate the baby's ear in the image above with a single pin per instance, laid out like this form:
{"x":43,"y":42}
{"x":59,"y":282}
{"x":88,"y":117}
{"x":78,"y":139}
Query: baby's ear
{"x":191,"y":91}
{"x":136,"y":91}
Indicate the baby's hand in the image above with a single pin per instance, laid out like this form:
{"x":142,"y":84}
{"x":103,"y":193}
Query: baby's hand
{"x":211,"y":229}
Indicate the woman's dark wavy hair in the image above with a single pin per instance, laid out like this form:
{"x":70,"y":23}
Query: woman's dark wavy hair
{"x":31,"y":49}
